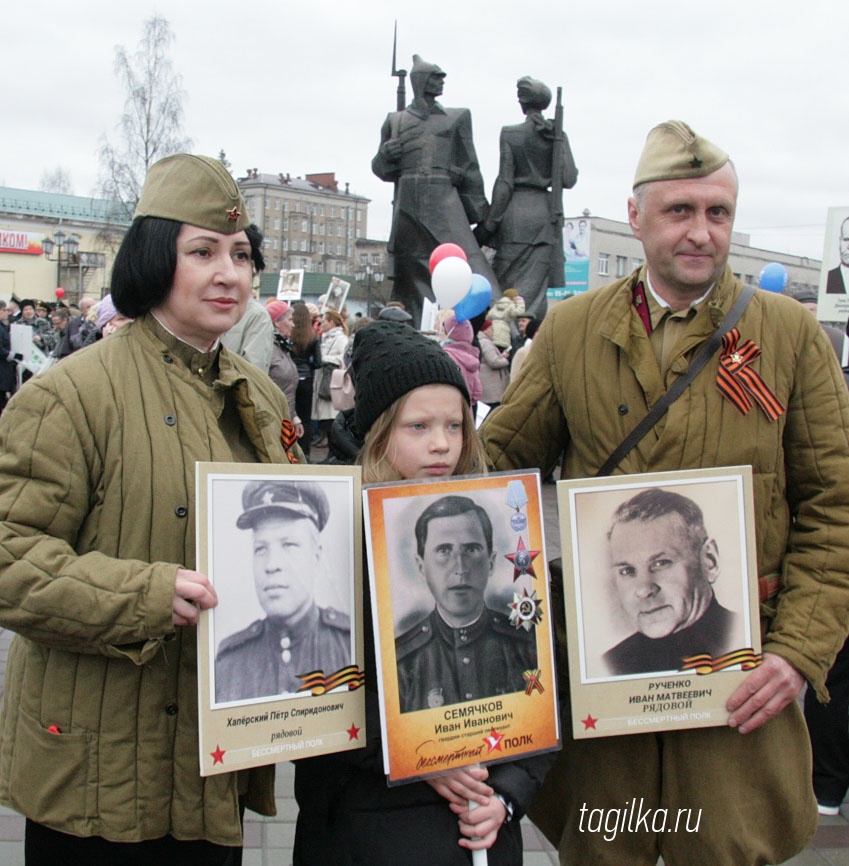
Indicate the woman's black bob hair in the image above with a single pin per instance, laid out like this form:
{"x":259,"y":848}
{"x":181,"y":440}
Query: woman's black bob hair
{"x":144,"y":267}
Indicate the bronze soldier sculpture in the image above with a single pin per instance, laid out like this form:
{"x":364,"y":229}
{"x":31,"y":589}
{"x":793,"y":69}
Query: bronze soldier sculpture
{"x":525,"y":222}
{"x":427,"y":151}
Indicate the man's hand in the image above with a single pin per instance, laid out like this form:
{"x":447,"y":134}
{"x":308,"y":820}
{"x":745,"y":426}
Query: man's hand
{"x":460,"y":786}
{"x":192,"y":593}
{"x":765,"y":692}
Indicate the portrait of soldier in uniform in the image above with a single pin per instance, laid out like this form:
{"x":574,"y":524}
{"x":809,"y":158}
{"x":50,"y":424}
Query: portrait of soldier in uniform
{"x":334,"y":297}
{"x":462,"y":650}
{"x":296,"y":636}
{"x":289,"y":285}
{"x":664,"y":565}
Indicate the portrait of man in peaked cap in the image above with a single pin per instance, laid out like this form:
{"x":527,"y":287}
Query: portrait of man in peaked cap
{"x":286,"y":522}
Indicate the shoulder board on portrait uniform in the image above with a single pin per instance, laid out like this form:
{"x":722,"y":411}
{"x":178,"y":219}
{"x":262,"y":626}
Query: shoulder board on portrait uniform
{"x":252,"y":632}
{"x":334,"y":618}
{"x":413,"y":639}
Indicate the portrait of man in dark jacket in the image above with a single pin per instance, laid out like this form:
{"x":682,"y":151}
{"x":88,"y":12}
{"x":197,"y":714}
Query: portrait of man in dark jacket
{"x":837,"y":277}
{"x":664,"y":565}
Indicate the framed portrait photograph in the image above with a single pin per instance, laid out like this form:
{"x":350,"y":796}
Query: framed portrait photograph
{"x":335,"y":296}
{"x":833,"y":294}
{"x":280,"y":658}
{"x":661,"y":594}
{"x":290,"y":285}
{"x":462,"y":618}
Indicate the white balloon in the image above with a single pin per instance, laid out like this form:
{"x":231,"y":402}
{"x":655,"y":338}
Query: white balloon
{"x":451,"y":281}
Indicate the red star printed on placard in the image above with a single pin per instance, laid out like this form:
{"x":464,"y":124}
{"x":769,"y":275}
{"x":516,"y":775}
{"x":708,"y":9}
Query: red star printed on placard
{"x":522,"y":560}
{"x":589,"y":723}
{"x":233,"y":214}
{"x":218,"y":755}
{"x":353,"y":732}
{"x":493,"y":741}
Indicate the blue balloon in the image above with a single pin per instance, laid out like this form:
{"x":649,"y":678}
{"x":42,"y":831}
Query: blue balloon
{"x":773,"y":277}
{"x":476,"y":300}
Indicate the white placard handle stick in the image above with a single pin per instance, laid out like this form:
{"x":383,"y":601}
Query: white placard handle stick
{"x":479,"y":858}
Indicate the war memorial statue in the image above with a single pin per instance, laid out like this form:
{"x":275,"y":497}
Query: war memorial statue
{"x":525,"y":222}
{"x":427,"y":151}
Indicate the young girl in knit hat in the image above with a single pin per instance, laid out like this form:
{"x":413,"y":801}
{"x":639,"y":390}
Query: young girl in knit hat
{"x":412,"y":413}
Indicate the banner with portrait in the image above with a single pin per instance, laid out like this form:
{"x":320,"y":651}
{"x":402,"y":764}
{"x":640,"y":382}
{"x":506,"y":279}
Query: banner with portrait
{"x":833,"y":294}
{"x":335,"y":296}
{"x":661,"y":594}
{"x":462,"y":619}
{"x":290,"y":285}
{"x":33,"y":357}
{"x":280,"y":659}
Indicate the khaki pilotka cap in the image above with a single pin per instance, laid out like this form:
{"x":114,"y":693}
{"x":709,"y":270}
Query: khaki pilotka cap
{"x":674,"y":152}
{"x":196,"y":190}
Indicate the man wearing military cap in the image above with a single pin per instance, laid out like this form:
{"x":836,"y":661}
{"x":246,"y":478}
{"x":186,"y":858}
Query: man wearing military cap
{"x":462,"y":650}
{"x":296,"y":636}
{"x":783,"y":410}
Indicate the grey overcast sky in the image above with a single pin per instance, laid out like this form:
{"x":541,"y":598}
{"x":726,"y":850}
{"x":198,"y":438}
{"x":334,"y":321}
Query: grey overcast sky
{"x":304,"y":87}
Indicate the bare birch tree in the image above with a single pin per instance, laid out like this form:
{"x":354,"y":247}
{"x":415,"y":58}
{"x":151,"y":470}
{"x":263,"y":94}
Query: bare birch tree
{"x":57,"y":180}
{"x":151,"y":125}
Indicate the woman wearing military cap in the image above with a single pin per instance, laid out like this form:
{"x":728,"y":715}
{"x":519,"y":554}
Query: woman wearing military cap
{"x":99,"y":745}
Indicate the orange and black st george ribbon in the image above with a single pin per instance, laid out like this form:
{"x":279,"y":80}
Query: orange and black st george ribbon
{"x":739,"y":383}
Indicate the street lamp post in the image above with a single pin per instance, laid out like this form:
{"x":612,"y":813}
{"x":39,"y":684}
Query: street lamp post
{"x":60,"y":241}
{"x":370,"y":274}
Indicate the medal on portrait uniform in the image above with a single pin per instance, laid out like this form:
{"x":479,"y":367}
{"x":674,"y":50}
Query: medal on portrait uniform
{"x":435,"y":698}
{"x":517,"y":499}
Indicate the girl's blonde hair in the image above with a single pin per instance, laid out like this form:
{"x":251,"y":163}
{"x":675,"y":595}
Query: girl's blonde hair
{"x":374,"y":456}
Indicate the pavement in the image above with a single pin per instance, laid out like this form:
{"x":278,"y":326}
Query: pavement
{"x":268,"y":841}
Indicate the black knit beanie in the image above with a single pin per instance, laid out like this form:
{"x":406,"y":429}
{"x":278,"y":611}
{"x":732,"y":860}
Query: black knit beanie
{"x":389,"y":359}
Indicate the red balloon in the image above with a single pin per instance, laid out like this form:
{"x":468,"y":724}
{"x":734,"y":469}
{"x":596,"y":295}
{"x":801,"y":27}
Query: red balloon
{"x":443,"y":251}
{"x":60,"y":292}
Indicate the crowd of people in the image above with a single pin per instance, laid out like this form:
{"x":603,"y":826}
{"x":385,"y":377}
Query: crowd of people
{"x":299,"y":345}
{"x":58,"y":329}
{"x":98,"y":735}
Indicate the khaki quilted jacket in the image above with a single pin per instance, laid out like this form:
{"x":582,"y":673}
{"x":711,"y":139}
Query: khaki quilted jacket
{"x":97,"y":476}
{"x":591,"y":375}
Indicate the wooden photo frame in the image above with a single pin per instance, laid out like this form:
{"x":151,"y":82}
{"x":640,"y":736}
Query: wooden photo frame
{"x":660,"y":588}
{"x":462,"y":617}
{"x":280,"y":659}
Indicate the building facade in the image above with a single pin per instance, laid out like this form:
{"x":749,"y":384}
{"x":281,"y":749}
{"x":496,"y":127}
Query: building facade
{"x":600,"y":250}
{"x":29,"y":269}
{"x":307,"y":223}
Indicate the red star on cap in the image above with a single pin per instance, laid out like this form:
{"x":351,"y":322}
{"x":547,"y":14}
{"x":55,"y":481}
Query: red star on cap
{"x":589,"y":722}
{"x":353,"y":732}
{"x":233,"y":214}
{"x":526,"y":559}
{"x":493,"y":741}
{"x":218,"y":755}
